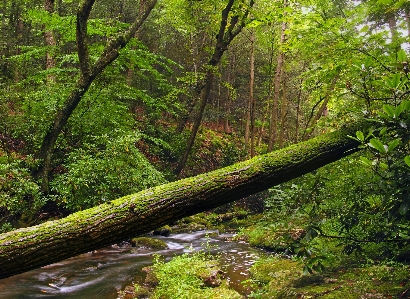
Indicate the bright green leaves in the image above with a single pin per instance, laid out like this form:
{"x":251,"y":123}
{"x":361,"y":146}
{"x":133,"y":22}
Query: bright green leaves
{"x":394,"y":81}
{"x":401,"y":55}
{"x":360,"y":136}
{"x":392,"y":113}
{"x":407,"y":160}
{"x":376,"y":143}
{"x":95,"y":176}
{"x":64,"y":26}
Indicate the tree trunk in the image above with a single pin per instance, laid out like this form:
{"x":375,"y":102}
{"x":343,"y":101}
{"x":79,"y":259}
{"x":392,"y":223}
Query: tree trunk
{"x":274,"y":116}
{"x":49,"y":41}
{"x":29,"y":248}
{"x":252,"y":102}
{"x":283,"y":112}
{"x":298,"y":111}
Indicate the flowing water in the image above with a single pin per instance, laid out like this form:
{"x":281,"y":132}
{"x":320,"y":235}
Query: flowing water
{"x":102,"y":273}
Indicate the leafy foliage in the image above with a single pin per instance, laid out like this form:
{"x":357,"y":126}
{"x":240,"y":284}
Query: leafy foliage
{"x":102,"y":171}
{"x":18,"y":192}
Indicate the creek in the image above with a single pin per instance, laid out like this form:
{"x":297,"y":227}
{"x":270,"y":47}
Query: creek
{"x":102,"y":273}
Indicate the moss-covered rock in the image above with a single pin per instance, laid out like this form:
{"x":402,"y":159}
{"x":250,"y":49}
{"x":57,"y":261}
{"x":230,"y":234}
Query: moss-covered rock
{"x":196,"y":275}
{"x":165,"y":231}
{"x":146,"y":242}
{"x":282,"y":278}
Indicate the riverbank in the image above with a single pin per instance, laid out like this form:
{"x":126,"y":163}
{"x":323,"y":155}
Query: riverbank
{"x":283,"y":274}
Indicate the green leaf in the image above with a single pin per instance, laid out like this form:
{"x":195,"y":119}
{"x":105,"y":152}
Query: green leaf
{"x":307,"y":270}
{"x":360,"y":135}
{"x":365,"y":29}
{"x":394,"y":82}
{"x":376,"y":143}
{"x":384,"y":2}
{"x":383,"y":166}
{"x":389,"y":110}
{"x":399,"y":4}
{"x":399,"y":109}
{"x":311,"y":234}
{"x":405,"y":105}
{"x":393,"y":144}
{"x":407,"y":160}
{"x":401,"y":55}
{"x":365,"y":161}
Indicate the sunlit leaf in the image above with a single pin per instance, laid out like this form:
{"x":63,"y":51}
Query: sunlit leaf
{"x":365,"y":161}
{"x":407,"y":160}
{"x":401,"y":55}
{"x":378,"y":145}
{"x":393,"y":144}
{"x":360,"y":135}
{"x":389,"y":110}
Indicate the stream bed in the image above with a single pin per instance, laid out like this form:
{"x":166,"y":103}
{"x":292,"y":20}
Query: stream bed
{"x":102,"y":273}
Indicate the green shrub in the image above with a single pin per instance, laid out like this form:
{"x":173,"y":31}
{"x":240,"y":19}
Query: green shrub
{"x":101,"y":173}
{"x":18,"y":192}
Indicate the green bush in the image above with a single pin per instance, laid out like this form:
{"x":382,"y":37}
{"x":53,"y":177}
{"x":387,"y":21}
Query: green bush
{"x":101,"y":173}
{"x":18,"y":192}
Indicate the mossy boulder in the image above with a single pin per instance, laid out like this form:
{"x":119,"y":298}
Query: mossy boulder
{"x":146,"y":242}
{"x":282,"y":278}
{"x":165,"y":231}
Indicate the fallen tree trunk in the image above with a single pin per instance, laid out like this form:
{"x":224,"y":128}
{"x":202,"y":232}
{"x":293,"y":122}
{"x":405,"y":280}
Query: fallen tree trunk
{"x":29,"y":248}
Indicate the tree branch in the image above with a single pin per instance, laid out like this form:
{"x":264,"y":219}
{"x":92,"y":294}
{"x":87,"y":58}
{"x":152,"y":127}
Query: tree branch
{"x":83,"y":13}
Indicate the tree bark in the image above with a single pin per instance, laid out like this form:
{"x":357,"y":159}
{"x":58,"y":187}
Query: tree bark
{"x":49,"y":41}
{"x":252,"y":102}
{"x":283,"y":113}
{"x":29,"y":248}
{"x":278,"y":74}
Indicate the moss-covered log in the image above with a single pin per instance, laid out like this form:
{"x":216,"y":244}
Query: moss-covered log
{"x":29,"y":248}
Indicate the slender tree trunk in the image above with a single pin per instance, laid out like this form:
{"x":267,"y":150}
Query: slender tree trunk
{"x":49,"y":41}
{"x":252,"y":102}
{"x":19,"y":33}
{"x":228,"y":101}
{"x":283,"y":111}
{"x":274,"y":116}
{"x":393,"y":30}
{"x":407,"y":17}
{"x":270,"y":90}
{"x":298,"y":111}
{"x":197,"y":122}
{"x":29,"y":248}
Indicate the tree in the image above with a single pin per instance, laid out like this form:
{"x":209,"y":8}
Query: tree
{"x":229,"y":28}
{"x":277,"y":81}
{"x":88,"y":73}
{"x":28,"y":248}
